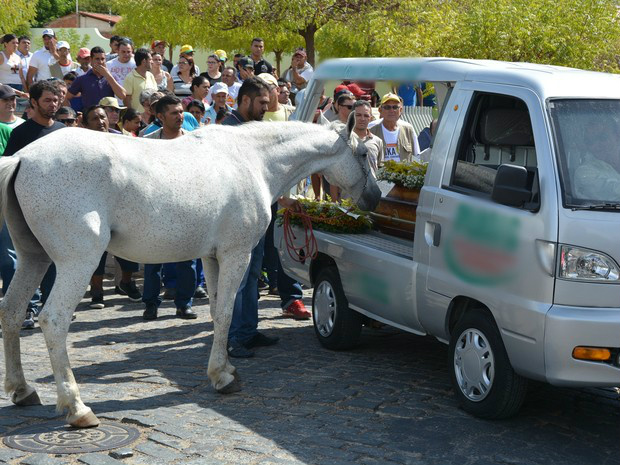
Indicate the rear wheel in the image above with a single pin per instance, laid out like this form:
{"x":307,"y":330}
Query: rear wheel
{"x":336,"y":326}
{"x":483,"y":378}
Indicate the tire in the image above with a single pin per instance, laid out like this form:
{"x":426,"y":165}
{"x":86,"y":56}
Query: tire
{"x":483,"y":379}
{"x":336,"y":326}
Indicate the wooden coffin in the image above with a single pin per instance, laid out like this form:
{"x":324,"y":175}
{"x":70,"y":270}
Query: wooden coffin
{"x":395,"y":215}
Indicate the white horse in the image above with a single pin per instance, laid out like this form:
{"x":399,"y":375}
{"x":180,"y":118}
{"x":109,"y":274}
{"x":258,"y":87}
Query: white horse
{"x":72,"y":195}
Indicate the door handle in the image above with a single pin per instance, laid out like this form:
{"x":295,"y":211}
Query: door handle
{"x":432,"y":233}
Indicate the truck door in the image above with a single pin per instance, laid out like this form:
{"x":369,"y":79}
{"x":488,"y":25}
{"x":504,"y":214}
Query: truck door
{"x":480,"y":248}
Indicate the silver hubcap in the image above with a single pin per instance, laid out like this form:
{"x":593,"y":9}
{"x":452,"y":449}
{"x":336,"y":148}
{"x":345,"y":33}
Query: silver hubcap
{"x":474,"y":365}
{"x":324,"y":308}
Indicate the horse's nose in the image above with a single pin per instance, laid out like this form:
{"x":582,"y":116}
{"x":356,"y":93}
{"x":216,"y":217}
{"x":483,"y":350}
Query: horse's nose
{"x":370,"y":198}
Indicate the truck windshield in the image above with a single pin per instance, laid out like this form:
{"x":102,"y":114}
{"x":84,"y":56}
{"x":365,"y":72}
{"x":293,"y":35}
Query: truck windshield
{"x":587,"y":136}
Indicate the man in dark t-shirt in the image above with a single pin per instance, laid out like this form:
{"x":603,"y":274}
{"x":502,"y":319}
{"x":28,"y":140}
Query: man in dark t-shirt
{"x":260,"y":64}
{"x":45,"y":101}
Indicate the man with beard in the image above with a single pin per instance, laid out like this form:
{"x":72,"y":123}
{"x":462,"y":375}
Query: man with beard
{"x":252,"y":103}
{"x":45,"y":101}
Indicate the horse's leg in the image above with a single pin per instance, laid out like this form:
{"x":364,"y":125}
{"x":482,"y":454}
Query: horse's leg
{"x":231,"y":269}
{"x":30,"y":270}
{"x":211,"y":270}
{"x":72,"y":277}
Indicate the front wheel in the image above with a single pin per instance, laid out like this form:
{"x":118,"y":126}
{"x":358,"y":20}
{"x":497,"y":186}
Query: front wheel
{"x":336,"y":326}
{"x":482,"y":377}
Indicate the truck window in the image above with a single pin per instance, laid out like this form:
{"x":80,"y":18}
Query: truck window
{"x":587,"y":139}
{"x":497,"y":131}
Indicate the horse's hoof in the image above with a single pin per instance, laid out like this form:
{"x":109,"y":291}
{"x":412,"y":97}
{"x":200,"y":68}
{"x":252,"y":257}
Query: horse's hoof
{"x":88,"y":420}
{"x":30,"y":399}
{"x":233,"y":386}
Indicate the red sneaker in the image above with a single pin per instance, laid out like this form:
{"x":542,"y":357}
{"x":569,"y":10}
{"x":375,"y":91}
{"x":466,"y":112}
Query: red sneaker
{"x":297,"y":310}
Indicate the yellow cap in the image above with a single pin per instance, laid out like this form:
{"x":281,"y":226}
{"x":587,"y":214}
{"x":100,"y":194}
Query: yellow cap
{"x":390,"y":97}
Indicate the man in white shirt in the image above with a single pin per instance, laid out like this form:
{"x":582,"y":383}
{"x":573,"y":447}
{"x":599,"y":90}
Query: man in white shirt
{"x":64,"y":64}
{"x":39,"y":68}
{"x":300,"y":71}
{"x":362,"y":116}
{"x":121,"y":66}
{"x":399,"y":140}
{"x":23,"y":50}
{"x":229,"y":77}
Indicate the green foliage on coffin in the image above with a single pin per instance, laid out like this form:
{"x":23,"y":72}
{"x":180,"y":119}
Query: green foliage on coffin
{"x":331,"y":217}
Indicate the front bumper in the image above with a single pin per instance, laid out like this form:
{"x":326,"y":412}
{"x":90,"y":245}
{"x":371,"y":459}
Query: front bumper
{"x":568,"y":327}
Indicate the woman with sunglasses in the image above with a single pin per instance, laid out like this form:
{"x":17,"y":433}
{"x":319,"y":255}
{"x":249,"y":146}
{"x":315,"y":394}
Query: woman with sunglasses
{"x":182,"y":79}
{"x":213,"y":73}
{"x":344,"y":104}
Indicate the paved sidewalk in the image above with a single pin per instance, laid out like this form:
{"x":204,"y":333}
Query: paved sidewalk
{"x":387,"y":402}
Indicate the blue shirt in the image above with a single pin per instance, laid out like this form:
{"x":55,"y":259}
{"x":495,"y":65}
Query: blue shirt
{"x":92,"y":88}
{"x":189,"y":124}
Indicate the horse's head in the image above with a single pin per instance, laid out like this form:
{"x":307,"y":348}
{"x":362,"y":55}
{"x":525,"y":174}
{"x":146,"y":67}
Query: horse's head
{"x":351,"y":171}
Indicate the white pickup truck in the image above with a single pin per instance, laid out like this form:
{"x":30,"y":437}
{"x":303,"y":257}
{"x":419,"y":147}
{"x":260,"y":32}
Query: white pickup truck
{"x":514,"y":261}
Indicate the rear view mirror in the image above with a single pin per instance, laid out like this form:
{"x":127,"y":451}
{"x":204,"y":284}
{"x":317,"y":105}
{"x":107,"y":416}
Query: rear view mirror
{"x":510,"y":186}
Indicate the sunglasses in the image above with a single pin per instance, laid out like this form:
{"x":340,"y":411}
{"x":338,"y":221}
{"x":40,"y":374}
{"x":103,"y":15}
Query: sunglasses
{"x":212,"y":62}
{"x":390,"y":107}
{"x":183,"y":63}
{"x":350,"y":107}
{"x":67,"y":120}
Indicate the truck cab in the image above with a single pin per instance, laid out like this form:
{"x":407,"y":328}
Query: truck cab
{"x":514,"y":261}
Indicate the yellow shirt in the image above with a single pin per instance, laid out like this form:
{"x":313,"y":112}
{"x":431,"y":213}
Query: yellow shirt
{"x":134,"y":84}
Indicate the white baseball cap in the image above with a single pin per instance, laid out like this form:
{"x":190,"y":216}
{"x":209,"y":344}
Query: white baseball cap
{"x":219,"y":87}
{"x":63,"y":44}
{"x":48,"y":32}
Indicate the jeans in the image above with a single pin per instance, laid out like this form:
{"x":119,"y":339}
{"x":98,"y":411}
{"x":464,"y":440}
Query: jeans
{"x":169,"y":275}
{"x":8,"y":264}
{"x":244,"y":322}
{"x":271,"y":263}
{"x":186,"y":283}
{"x":288,"y":288}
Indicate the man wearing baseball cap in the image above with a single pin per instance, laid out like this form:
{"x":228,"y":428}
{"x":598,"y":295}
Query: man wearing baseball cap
{"x":83,"y":58}
{"x":245,"y":65}
{"x":399,"y":139}
{"x":275,"y":111}
{"x":221,"y":54}
{"x":60,"y":67}
{"x":300,"y":71}
{"x":219,"y":95}
{"x":39,"y":69}
{"x":159,"y":46}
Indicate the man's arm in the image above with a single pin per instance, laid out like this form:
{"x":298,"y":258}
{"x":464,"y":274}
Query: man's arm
{"x":118,"y":90}
{"x":32,"y":71}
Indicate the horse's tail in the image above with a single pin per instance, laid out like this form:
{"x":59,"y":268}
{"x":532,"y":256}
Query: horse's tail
{"x":9,"y":166}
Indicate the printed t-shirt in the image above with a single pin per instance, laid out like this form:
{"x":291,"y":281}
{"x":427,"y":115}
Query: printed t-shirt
{"x":391,"y":144}
{"x":120,"y":70}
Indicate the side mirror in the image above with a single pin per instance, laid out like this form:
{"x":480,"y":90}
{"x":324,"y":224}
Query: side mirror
{"x":510,"y":186}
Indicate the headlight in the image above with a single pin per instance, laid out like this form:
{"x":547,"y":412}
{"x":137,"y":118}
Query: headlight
{"x":587,"y":265}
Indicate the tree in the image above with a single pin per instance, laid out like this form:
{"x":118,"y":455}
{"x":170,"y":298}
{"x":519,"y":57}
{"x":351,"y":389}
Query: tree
{"x":98,"y":6}
{"x":578,"y":33}
{"x":16,"y":16}
{"x":48,"y":10}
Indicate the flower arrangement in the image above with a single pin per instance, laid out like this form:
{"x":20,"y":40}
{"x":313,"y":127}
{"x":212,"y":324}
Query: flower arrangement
{"x":344,"y":217}
{"x":406,"y":174}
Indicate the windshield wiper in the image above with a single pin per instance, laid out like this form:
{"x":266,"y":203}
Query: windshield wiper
{"x":597,"y":206}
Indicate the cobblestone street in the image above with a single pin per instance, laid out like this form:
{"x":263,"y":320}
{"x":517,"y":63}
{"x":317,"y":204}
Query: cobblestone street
{"x":387,"y":402}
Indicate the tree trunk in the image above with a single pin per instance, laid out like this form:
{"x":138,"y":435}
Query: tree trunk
{"x":278,"y":54}
{"x":308,"y":34}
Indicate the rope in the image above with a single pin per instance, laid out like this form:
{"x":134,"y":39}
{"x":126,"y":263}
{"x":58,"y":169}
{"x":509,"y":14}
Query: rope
{"x":309,"y":247}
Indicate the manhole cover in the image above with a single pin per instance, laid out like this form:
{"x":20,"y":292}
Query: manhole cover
{"x":55,"y":437}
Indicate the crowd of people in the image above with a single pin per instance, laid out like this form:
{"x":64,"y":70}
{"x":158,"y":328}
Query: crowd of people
{"x":139,"y":93}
